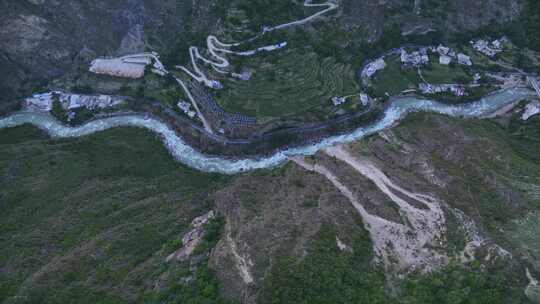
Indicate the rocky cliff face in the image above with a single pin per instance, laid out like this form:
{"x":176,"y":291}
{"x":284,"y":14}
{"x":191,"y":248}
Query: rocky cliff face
{"x":42,"y":39}
{"x":416,"y":17}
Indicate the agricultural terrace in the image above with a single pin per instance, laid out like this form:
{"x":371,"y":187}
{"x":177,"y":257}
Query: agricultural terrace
{"x":287,"y":83}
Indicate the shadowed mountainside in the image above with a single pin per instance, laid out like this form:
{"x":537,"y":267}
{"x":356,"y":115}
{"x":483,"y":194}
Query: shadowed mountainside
{"x":96,"y":217}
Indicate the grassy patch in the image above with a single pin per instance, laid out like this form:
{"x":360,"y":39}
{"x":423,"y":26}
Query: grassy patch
{"x":438,"y":73}
{"x":394,"y":79}
{"x":88,"y":219}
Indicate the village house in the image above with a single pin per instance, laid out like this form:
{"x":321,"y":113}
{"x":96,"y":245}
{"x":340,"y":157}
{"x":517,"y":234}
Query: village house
{"x":186,"y":108}
{"x":455,"y":89}
{"x":447,"y":55}
{"x":464,"y":59}
{"x":487,"y":48}
{"x":414,"y":59}
{"x":531,"y":109}
{"x":68,"y":101}
{"x":338,"y":100}
{"x":372,"y":68}
{"x":364,"y":99}
{"x":443,"y":50}
{"x":445,"y":59}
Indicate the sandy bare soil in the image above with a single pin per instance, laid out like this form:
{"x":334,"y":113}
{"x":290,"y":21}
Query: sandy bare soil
{"x":411,"y":245}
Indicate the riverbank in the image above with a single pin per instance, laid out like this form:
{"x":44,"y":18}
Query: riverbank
{"x":183,"y":152}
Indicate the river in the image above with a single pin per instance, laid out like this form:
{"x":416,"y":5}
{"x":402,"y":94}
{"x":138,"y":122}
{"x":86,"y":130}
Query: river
{"x":191,"y":157}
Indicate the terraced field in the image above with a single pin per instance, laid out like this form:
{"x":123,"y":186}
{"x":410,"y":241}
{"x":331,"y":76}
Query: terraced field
{"x":287,"y":83}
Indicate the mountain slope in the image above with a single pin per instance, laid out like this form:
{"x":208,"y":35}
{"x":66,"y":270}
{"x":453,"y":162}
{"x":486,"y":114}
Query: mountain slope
{"x":95,"y":218}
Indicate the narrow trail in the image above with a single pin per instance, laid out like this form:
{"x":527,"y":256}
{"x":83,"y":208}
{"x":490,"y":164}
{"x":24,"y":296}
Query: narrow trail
{"x":217,"y":49}
{"x":307,"y":3}
{"x":189,"y":155}
{"x":410,"y":244}
{"x":219,"y":62}
{"x":242,"y":264}
{"x":206,"y":124}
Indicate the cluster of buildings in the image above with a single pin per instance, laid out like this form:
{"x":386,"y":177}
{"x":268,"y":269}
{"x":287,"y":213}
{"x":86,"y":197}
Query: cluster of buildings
{"x":455,"y":89}
{"x":186,"y":108}
{"x":131,"y":66}
{"x":44,"y":102}
{"x":338,"y":100}
{"x":447,"y":55}
{"x":39,"y":102}
{"x":489,"y":49}
{"x":414,"y":59}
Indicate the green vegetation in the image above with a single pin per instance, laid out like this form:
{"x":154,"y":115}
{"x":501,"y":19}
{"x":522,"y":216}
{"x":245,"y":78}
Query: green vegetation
{"x":457,"y":284}
{"x":82,"y":89}
{"x":438,"y":73}
{"x":287,"y":83}
{"x":532,"y":24}
{"x":89,"y":220}
{"x":524,"y":232}
{"x":57,"y":111}
{"x":212,"y":233}
{"x":258,"y":13}
{"x":93,"y":219}
{"x":525,"y":137}
{"x":394,"y":79}
{"x":203,"y":286}
{"x":82,"y":114}
{"x":502,"y":152}
{"x":202,"y":290}
{"x":327,"y":275}
{"x":438,"y":9}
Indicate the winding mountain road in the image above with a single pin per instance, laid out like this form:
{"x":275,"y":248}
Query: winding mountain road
{"x":217,"y":48}
{"x":330,"y":6}
{"x":219,"y":62}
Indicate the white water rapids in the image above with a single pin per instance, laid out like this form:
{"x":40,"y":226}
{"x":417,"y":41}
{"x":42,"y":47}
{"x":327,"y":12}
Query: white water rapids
{"x":189,"y":156}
